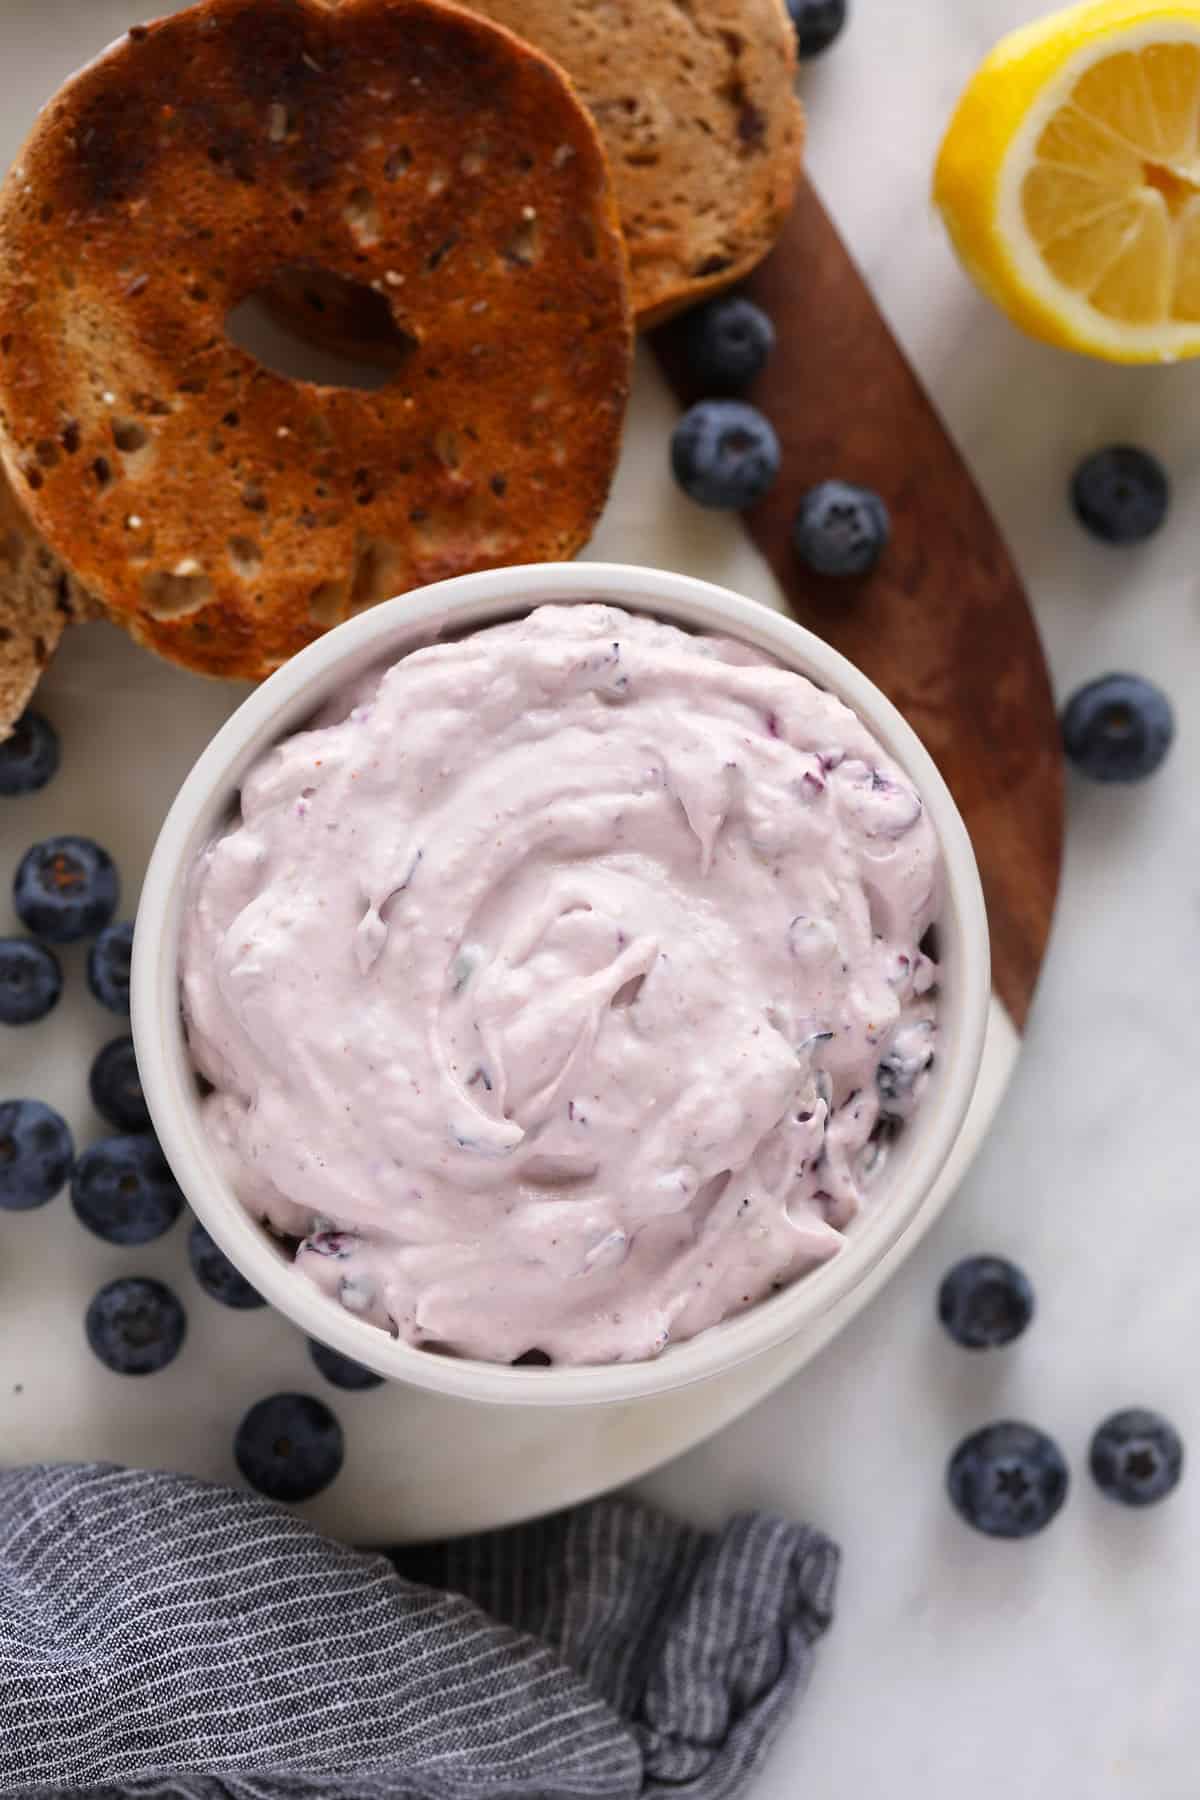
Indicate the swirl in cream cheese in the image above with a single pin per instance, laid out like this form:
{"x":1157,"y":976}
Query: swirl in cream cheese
{"x":561,"y":989}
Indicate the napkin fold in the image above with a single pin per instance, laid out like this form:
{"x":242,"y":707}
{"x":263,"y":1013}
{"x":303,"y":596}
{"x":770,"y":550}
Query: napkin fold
{"x":162,"y":1636}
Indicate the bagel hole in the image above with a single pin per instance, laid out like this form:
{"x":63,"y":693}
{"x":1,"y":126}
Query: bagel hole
{"x":173,"y":593}
{"x":312,"y":325}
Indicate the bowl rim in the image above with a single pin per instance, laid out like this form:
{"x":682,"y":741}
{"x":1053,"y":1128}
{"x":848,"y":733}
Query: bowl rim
{"x":293,"y":693}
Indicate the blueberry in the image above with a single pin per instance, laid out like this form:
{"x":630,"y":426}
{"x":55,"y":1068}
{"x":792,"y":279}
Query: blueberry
{"x":36,"y":1153}
{"x":840,"y":529}
{"x":1137,"y":1457}
{"x":1008,"y":1480}
{"x":108,"y":966}
{"x":289,"y":1446}
{"x":135,"y":1325}
{"x":817,"y":23}
{"x":217,"y":1275}
{"x":122,"y":1189}
{"x":724,"y":454}
{"x":1120,"y":494}
{"x":726,"y":343}
{"x":30,"y":981}
{"x":116,"y":1087}
{"x":343,"y":1371}
{"x":984,"y":1302}
{"x":29,"y":755}
{"x":65,"y":889}
{"x":1117,"y":728}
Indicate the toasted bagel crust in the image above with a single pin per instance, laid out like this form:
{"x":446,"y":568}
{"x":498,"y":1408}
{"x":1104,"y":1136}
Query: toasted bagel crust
{"x":226,"y":514}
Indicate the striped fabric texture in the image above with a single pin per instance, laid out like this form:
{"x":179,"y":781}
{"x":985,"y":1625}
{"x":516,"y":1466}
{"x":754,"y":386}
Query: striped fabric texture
{"x":159,"y":1636}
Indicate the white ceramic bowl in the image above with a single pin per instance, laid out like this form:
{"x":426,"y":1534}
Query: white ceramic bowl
{"x":286,"y":702}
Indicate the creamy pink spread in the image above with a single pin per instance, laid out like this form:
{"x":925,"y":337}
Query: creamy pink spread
{"x":562,"y":988}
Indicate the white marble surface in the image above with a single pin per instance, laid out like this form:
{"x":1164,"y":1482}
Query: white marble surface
{"x":957,"y":1667}
{"x":1063,"y":1667}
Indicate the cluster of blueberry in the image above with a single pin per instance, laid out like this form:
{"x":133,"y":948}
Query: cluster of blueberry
{"x":1010,"y":1479}
{"x":725,"y":454}
{"x":1119,"y":727}
{"x":66,"y":891}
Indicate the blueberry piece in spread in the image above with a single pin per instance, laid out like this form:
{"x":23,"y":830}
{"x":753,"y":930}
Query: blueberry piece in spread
{"x":1120,"y":494}
{"x":135,"y":1325}
{"x":840,"y":529}
{"x":289,"y":1447}
{"x":36,"y":1152}
{"x":910,"y":1055}
{"x":343,"y":1371}
{"x":817,"y":22}
{"x":219,"y":1278}
{"x":726,"y":343}
{"x":1137,"y":1457}
{"x":65,"y":889}
{"x":724,"y":454}
{"x":116,"y":1087}
{"x":29,"y":755}
{"x":30,"y":981}
{"x":336,"y":1244}
{"x":108,"y":966}
{"x":1008,"y":1480}
{"x":1117,"y":728}
{"x":123,"y":1190}
{"x":985,"y":1301}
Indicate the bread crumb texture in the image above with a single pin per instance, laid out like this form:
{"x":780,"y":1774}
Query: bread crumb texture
{"x":695,"y":102}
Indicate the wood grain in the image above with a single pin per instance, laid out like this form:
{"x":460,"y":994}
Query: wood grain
{"x":942,"y":625}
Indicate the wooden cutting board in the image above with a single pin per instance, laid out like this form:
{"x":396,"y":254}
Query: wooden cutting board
{"x":942,"y":625}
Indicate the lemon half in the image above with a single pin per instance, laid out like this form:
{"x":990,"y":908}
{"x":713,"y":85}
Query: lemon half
{"x":1069,"y":179}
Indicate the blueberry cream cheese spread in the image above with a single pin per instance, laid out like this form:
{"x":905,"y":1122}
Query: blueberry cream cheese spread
{"x":561,"y":989}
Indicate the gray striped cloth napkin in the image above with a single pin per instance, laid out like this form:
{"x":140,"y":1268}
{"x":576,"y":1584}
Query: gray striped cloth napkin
{"x":160,"y":1636}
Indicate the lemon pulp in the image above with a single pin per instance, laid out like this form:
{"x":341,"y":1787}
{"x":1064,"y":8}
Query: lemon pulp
{"x":1112,"y":196}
